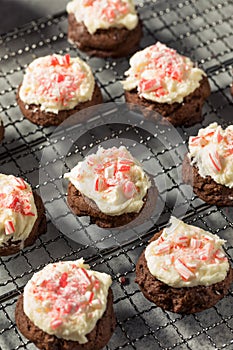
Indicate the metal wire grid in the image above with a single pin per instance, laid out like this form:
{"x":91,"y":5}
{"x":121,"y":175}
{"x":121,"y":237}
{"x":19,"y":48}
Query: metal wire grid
{"x":199,"y":29}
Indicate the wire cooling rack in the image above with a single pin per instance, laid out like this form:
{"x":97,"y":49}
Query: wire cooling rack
{"x":202,"y":30}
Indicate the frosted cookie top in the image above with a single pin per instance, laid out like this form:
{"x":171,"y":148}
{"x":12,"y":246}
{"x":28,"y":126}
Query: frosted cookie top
{"x":67,"y":299}
{"x":17,"y":209}
{"x":162,"y":75}
{"x":104,"y":14}
{"x":211,"y":151}
{"x":57,"y":83}
{"x":113,"y":179}
{"x":187,"y":256}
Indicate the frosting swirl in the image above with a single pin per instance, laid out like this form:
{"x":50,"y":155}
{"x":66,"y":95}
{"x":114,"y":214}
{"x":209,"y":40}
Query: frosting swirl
{"x":187,"y":256}
{"x":57,"y":83}
{"x":162,"y":75}
{"x":113,"y":179}
{"x":104,"y":14}
{"x":211,"y":151}
{"x":17,"y":209}
{"x":67,"y":299}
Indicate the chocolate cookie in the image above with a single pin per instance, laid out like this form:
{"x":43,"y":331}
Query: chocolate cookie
{"x":186,"y":300}
{"x":97,"y":338}
{"x":187,"y":113}
{"x":40,"y":226}
{"x":83,"y":206}
{"x":112,"y":42}
{"x":206,"y":188}
{"x":39,"y":117}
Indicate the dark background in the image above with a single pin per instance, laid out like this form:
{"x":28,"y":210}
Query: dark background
{"x":15,"y":13}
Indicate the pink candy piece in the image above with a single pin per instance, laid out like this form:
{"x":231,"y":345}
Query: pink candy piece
{"x":20,"y":183}
{"x":215,"y":159}
{"x":9,"y":227}
{"x":195,"y":243}
{"x":129,"y":189}
{"x":100,"y":184}
{"x":63,"y":280}
{"x":183,"y":270}
{"x":148,"y":85}
{"x":163,"y":248}
{"x":88,"y":2}
{"x":56,"y":323}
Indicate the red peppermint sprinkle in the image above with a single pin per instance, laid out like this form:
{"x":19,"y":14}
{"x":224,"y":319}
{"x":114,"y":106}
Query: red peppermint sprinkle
{"x":148,"y":85}
{"x":163,"y":248}
{"x":100,"y":184}
{"x":183,"y":270}
{"x":195,"y":141}
{"x":63,"y":280}
{"x":129,"y":189}
{"x":20,"y":183}
{"x":88,"y":2}
{"x":195,"y":243}
{"x":55,"y":324}
{"x":54,"y":61}
{"x":219,"y":254}
{"x":229,"y":152}
{"x":66,"y":60}
{"x":9,"y":227}
{"x":215,"y":159}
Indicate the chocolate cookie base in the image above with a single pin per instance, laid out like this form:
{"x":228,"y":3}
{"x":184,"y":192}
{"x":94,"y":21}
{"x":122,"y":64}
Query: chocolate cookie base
{"x":206,"y":188}
{"x":1,"y":131}
{"x":39,"y":117}
{"x":187,"y":113}
{"x":40,"y":226}
{"x":83,"y":206}
{"x":97,"y":338}
{"x":112,"y":42}
{"x":186,"y":300}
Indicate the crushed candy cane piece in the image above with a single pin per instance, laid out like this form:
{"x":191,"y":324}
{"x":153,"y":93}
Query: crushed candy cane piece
{"x":9,"y":227}
{"x":215,"y":159}
{"x":183,"y":270}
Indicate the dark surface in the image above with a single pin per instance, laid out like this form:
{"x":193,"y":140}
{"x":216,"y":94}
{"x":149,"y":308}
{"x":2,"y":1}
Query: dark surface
{"x":15,"y":13}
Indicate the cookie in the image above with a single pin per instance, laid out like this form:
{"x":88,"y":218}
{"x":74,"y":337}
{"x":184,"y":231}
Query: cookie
{"x":208,"y":166}
{"x":104,"y":29}
{"x":83,"y":206}
{"x":167,"y":84}
{"x":86,"y":333}
{"x":55,"y":87}
{"x":177,"y":260}
{"x":109,"y":186}
{"x":22,"y":215}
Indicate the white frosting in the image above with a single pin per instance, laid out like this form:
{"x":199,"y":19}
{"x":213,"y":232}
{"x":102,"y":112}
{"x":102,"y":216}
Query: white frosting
{"x":17,"y":209}
{"x":162,"y":75}
{"x":187,"y":256}
{"x":113,"y":179}
{"x":57,"y":83}
{"x":67,"y":299}
{"x":104,"y":14}
{"x":211,"y":151}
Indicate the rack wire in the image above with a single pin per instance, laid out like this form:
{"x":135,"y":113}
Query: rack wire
{"x":201,"y":30}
